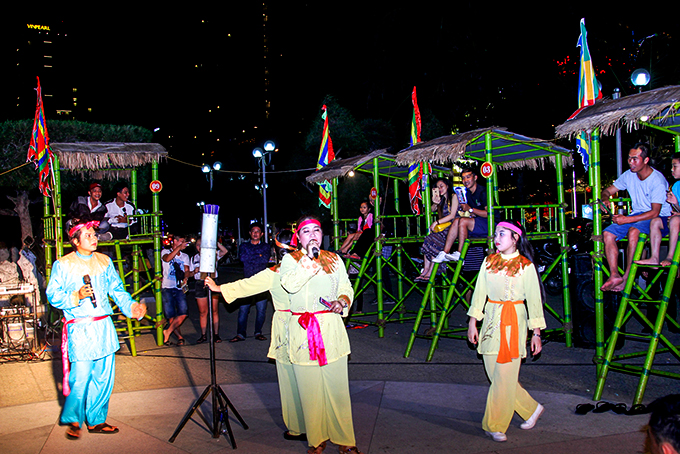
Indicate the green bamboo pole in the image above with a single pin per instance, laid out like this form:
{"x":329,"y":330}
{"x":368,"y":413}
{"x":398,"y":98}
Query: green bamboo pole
{"x":158,"y":273}
{"x":56,"y":194}
{"x":335,"y":215}
{"x":400,"y":280}
{"x":598,"y":248}
{"x":47,"y":225}
{"x":490,"y":190}
{"x":378,"y":249}
{"x":562,"y":238}
{"x":135,"y":251}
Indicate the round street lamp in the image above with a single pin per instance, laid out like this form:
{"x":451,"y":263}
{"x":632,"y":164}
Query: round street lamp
{"x":640,"y":78}
{"x":217,"y":165}
{"x":261,"y":154}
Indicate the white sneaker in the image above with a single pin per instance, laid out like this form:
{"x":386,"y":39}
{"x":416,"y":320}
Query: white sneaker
{"x":497,"y":436}
{"x":531,"y":422}
{"x":441,"y":257}
{"x":453,"y":257}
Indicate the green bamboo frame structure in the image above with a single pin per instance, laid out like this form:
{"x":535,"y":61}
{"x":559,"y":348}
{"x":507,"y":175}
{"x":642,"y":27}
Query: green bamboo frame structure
{"x":655,"y":109}
{"x":380,"y":164}
{"x":503,"y":150}
{"x":112,"y":161}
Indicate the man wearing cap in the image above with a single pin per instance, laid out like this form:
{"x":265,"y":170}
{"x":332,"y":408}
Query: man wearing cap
{"x":92,"y":208}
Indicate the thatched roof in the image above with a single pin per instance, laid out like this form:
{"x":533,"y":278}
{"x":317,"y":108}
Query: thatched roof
{"x":341,"y":167}
{"x":106,"y":160}
{"x":658,"y":107}
{"x":509,"y":150}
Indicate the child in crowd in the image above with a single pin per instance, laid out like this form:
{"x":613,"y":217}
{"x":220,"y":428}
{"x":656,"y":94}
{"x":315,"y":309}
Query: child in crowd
{"x":364,"y":222}
{"x":673,"y":222}
{"x":506,"y":279}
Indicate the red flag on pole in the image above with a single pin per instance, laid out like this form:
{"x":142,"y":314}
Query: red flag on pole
{"x":39,"y":150}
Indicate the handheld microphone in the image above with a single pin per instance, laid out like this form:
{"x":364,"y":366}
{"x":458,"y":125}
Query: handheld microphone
{"x":88,"y":281}
{"x":315,"y":251}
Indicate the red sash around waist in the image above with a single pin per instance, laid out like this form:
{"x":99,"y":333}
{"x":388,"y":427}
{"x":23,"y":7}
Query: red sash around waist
{"x":508,"y":318}
{"x":65,"y":363}
{"x":317,"y":351}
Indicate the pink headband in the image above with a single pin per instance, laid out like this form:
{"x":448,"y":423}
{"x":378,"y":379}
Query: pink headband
{"x":509,"y":226}
{"x":294,"y":241}
{"x":86,"y":225}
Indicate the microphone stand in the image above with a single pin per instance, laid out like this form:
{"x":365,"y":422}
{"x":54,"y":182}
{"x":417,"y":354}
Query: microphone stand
{"x":220,"y":403}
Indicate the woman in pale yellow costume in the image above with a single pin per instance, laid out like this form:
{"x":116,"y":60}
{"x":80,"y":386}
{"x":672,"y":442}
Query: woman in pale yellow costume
{"x":269,"y":280}
{"x":320,"y":295}
{"x":506,"y":279}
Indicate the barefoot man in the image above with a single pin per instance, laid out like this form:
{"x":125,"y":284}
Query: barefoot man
{"x":647,"y":189}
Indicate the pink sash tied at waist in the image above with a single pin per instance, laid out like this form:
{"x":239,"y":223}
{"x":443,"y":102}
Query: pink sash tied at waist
{"x":317,"y":351}
{"x":66,"y":364}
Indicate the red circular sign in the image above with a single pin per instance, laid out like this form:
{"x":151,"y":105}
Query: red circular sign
{"x":374,"y":193}
{"x":155,"y":186}
{"x":486,"y":170}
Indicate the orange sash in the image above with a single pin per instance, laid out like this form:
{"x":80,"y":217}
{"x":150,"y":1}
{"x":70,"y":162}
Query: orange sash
{"x":508,"y":318}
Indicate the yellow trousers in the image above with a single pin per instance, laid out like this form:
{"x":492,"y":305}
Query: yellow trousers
{"x":506,"y":395}
{"x":291,"y":408}
{"x":326,"y":405}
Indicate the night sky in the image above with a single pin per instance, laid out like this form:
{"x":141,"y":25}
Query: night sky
{"x":474,"y":66}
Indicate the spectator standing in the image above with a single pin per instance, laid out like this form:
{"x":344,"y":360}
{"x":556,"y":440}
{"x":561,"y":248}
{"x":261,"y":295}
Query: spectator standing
{"x":255,"y":257}
{"x":175,"y":265}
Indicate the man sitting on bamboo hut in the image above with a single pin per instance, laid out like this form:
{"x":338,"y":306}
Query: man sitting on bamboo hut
{"x":647,"y":189}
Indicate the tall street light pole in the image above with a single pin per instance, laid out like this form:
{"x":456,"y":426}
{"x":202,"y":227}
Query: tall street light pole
{"x":261,"y":154}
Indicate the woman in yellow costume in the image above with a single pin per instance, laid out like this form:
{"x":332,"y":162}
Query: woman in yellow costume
{"x":506,"y":279}
{"x":320,"y":295}
{"x":269,"y":280}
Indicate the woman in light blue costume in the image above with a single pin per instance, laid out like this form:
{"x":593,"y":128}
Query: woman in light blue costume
{"x":89,"y":340}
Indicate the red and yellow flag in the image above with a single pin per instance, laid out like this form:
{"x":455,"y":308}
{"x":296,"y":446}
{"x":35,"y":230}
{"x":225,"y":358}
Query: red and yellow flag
{"x":415,"y":171}
{"x":326,"y":155}
{"x":39,"y":150}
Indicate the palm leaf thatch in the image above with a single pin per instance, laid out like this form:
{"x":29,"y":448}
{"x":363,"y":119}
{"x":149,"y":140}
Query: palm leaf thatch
{"x":509,"y":150}
{"x":655,"y":106}
{"x":106,"y":160}
{"x":341,"y":167}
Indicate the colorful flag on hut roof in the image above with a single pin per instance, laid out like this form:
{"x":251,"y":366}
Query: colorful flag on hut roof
{"x":39,"y":150}
{"x":588,"y":92}
{"x":415,"y":171}
{"x":326,"y":155}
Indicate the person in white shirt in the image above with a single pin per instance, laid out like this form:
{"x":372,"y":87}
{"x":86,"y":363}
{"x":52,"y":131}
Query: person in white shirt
{"x":118,"y":210}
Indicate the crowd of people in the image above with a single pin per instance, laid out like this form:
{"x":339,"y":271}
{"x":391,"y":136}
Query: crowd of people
{"x":311,"y":293}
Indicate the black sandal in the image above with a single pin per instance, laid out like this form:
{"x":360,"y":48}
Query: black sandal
{"x":201,"y":339}
{"x":638,"y":409}
{"x":582,"y":409}
{"x":603,"y":407}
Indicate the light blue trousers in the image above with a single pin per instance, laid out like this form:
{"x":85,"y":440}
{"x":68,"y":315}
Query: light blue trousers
{"x":91,"y":386}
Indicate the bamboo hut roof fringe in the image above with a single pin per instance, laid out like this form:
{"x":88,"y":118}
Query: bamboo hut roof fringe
{"x":341,"y":167}
{"x":526,"y":152}
{"x":110,"y":157}
{"x":624,"y":113}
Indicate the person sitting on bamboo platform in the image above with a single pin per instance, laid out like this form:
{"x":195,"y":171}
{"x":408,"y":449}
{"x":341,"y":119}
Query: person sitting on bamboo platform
{"x":118,"y":210}
{"x":269,"y":280}
{"x":364,"y":222}
{"x":474,"y":226}
{"x":446,"y":204}
{"x":656,"y":225}
{"x":647,"y":189}
{"x":92,"y":207}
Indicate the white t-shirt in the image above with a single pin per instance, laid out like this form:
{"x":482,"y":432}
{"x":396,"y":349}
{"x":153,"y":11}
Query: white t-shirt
{"x":169,"y":279}
{"x":113,"y":210}
{"x":196,"y":264}
{"x":645,"y":192}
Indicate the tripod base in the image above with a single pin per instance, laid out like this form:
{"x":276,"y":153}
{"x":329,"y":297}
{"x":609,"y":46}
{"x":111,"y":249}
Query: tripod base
{"x":220,"y":421}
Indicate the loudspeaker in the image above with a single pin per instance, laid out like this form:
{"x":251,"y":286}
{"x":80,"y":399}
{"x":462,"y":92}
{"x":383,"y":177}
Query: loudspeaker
{"x":583,"y":303}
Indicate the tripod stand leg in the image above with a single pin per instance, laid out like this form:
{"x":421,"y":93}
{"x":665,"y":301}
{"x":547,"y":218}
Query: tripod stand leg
{"x":228,"y":403}
{"x":224,"y":426}
{"x":189,"y":413}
